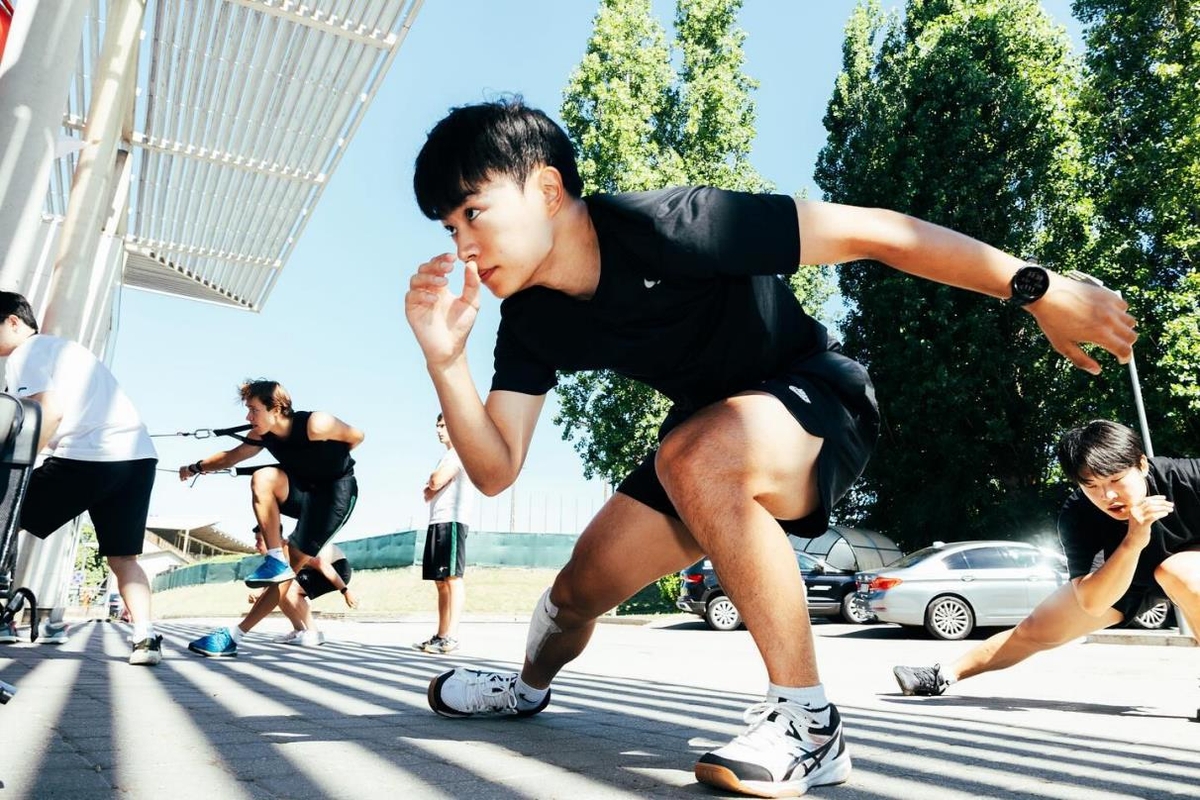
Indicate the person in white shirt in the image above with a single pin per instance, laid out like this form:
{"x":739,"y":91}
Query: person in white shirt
{"x":451,"y":497}
{"x":100,"y":457}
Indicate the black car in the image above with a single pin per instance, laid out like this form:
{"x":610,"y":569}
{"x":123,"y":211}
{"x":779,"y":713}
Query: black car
{"x":831,"y":593}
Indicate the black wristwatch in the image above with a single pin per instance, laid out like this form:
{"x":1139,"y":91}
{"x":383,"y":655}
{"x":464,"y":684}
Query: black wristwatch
{"x":1028,"y":285}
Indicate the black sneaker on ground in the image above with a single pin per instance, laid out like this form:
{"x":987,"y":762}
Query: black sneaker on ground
{"x":922,"y":681}
{"x":147,"y":652}
{"x":787,"y":749}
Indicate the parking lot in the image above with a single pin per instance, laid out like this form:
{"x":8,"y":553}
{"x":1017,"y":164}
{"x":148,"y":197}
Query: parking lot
{"x":628,"y":718}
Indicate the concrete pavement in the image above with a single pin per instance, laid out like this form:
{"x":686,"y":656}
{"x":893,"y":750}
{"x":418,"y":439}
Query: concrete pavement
{"x":628,"y":719}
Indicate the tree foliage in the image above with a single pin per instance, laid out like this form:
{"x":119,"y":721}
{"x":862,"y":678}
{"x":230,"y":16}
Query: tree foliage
{"x":961,"y":112}
{"x":638,"y":124}
{"x":1142,"y":122}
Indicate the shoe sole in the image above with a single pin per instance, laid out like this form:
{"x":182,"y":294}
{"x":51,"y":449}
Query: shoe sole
{"x":433,"y":695}
{"x":146,"y":662}
{"x":724,"y":778}
{"x":207,"y":654}
{"x":258,"y":583}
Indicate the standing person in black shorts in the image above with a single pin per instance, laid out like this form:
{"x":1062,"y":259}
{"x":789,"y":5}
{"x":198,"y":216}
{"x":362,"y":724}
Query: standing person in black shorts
{"x":451,"y":497}
{"x":1141,"y":514}
{"x":313,"y":481}
{"x":771,"y":423}
{"x":101,"y":459}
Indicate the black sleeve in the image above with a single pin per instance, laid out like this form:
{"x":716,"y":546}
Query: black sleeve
{"x":517,"y":369}
{"x":1079,"y":542}
{"x":708,"y":232}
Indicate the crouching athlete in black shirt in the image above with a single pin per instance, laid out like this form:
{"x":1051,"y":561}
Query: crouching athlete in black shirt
{"x":679,"y":289}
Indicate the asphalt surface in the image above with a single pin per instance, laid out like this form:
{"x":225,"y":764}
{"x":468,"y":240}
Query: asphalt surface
{"x":627,"y":720}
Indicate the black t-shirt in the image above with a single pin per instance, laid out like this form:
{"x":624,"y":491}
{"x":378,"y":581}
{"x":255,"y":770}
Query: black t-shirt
{"x":1085,"y":531}
{"x":689,"y":302}
{"x":306,"y":462}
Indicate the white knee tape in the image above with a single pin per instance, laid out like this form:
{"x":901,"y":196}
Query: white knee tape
{"x":541,"y":626}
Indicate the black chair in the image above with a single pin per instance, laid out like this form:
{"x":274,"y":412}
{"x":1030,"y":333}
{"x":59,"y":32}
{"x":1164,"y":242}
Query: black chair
{"x":20,"y":422}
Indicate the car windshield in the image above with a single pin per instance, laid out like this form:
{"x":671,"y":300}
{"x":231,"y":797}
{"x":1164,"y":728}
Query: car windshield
{"x":915,"y":557}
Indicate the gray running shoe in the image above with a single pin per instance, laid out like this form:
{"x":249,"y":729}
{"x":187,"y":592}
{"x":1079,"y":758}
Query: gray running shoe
{"x":147,"y":652}
{"x":921,"y":681}
{"x":447,"y":644}
{"x":425,"y":646}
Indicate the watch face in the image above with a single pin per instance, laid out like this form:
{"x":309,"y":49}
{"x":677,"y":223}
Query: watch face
{"x":1029,"y":284}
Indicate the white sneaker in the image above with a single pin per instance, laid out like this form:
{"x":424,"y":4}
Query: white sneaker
{"x":288,"y":638}
{"x":309,"y":639}
{"x":787,"y":750}
{"x":471,"y":692}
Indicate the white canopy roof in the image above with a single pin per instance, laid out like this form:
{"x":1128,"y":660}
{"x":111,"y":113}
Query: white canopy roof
{"x":244,"y":109}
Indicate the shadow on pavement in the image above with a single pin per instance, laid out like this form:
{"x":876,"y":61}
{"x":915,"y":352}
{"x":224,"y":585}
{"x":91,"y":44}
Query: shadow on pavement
{"x":351,"y":720}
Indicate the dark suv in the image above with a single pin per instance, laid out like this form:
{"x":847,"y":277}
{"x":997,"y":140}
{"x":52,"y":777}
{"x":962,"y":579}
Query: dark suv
{"x":831,"y":593}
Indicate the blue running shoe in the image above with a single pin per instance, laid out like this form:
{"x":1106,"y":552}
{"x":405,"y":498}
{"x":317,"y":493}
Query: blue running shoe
{"x":270,"y":571}
{"x":218,"y":644}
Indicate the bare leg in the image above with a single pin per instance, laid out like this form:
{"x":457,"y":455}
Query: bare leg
{"x":731,"y":471}
{"x":133,"y":586}
{"x":268,"y":490}
{"x":295,"y":606}
{"x":452,"y":596}
{"x":1179,"y":576}
{"x":601,"y":573}
{"x":1057,"y":620}
{"x":263,"y":606}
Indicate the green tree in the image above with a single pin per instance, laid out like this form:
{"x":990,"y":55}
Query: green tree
{"x":88,"y":559}
{"x":1142,"y":104}
{"x":962,"y":112}
{"x":638,"y":125}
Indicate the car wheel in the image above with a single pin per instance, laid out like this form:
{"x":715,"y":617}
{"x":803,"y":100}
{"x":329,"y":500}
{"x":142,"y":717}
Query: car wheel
{"x":854,"y":609}
{"x":1153,"y":617}
{"x":722,"y":615}
{"x":949,"y":618}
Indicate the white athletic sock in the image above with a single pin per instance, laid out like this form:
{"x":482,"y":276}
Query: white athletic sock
{"x":811,"y":697}
{"x":235,"y":633}
{"x":947,"y":675}
{"x":527,"y":696}
{"x":277,"y":554}
{"x":142,"y":630}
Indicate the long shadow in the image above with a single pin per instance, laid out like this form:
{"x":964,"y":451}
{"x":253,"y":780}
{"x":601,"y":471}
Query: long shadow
{"x":612,"y":735}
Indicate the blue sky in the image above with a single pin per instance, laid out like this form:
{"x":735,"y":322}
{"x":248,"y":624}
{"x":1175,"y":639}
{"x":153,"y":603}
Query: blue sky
{"x":333,"y":330}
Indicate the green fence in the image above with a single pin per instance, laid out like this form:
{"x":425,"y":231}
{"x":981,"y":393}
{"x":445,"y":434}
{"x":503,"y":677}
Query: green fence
{"x":401,"y":549}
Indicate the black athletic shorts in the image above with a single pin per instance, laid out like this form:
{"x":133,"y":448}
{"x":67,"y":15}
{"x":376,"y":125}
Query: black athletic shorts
{"x":116,"y":495}
{"x":831,"y":396}
{"x":1139,"y":598}
{"x":445,"y":551}
{"x":320,"y":512}
{"x":313,"y":582}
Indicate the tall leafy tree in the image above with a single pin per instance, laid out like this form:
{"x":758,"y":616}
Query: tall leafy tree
{"x":1142,"y":104}
{"x":638,"y":125}
{"x":962,"y":112}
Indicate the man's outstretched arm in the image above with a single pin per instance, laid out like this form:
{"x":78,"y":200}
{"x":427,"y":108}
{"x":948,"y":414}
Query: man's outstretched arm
{"x":1070,"y":313}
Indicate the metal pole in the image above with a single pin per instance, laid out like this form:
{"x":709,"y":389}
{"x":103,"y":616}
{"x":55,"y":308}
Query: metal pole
{"x":35,"y":76}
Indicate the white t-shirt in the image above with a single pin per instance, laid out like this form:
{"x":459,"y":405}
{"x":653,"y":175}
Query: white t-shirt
{"x":99,"y":422}
{"x":455,"y":501}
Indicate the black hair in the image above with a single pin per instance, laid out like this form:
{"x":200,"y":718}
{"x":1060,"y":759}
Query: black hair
{"x":477,"y":143}
{"x":15,"y":305}
{"x":1099,"y":449}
